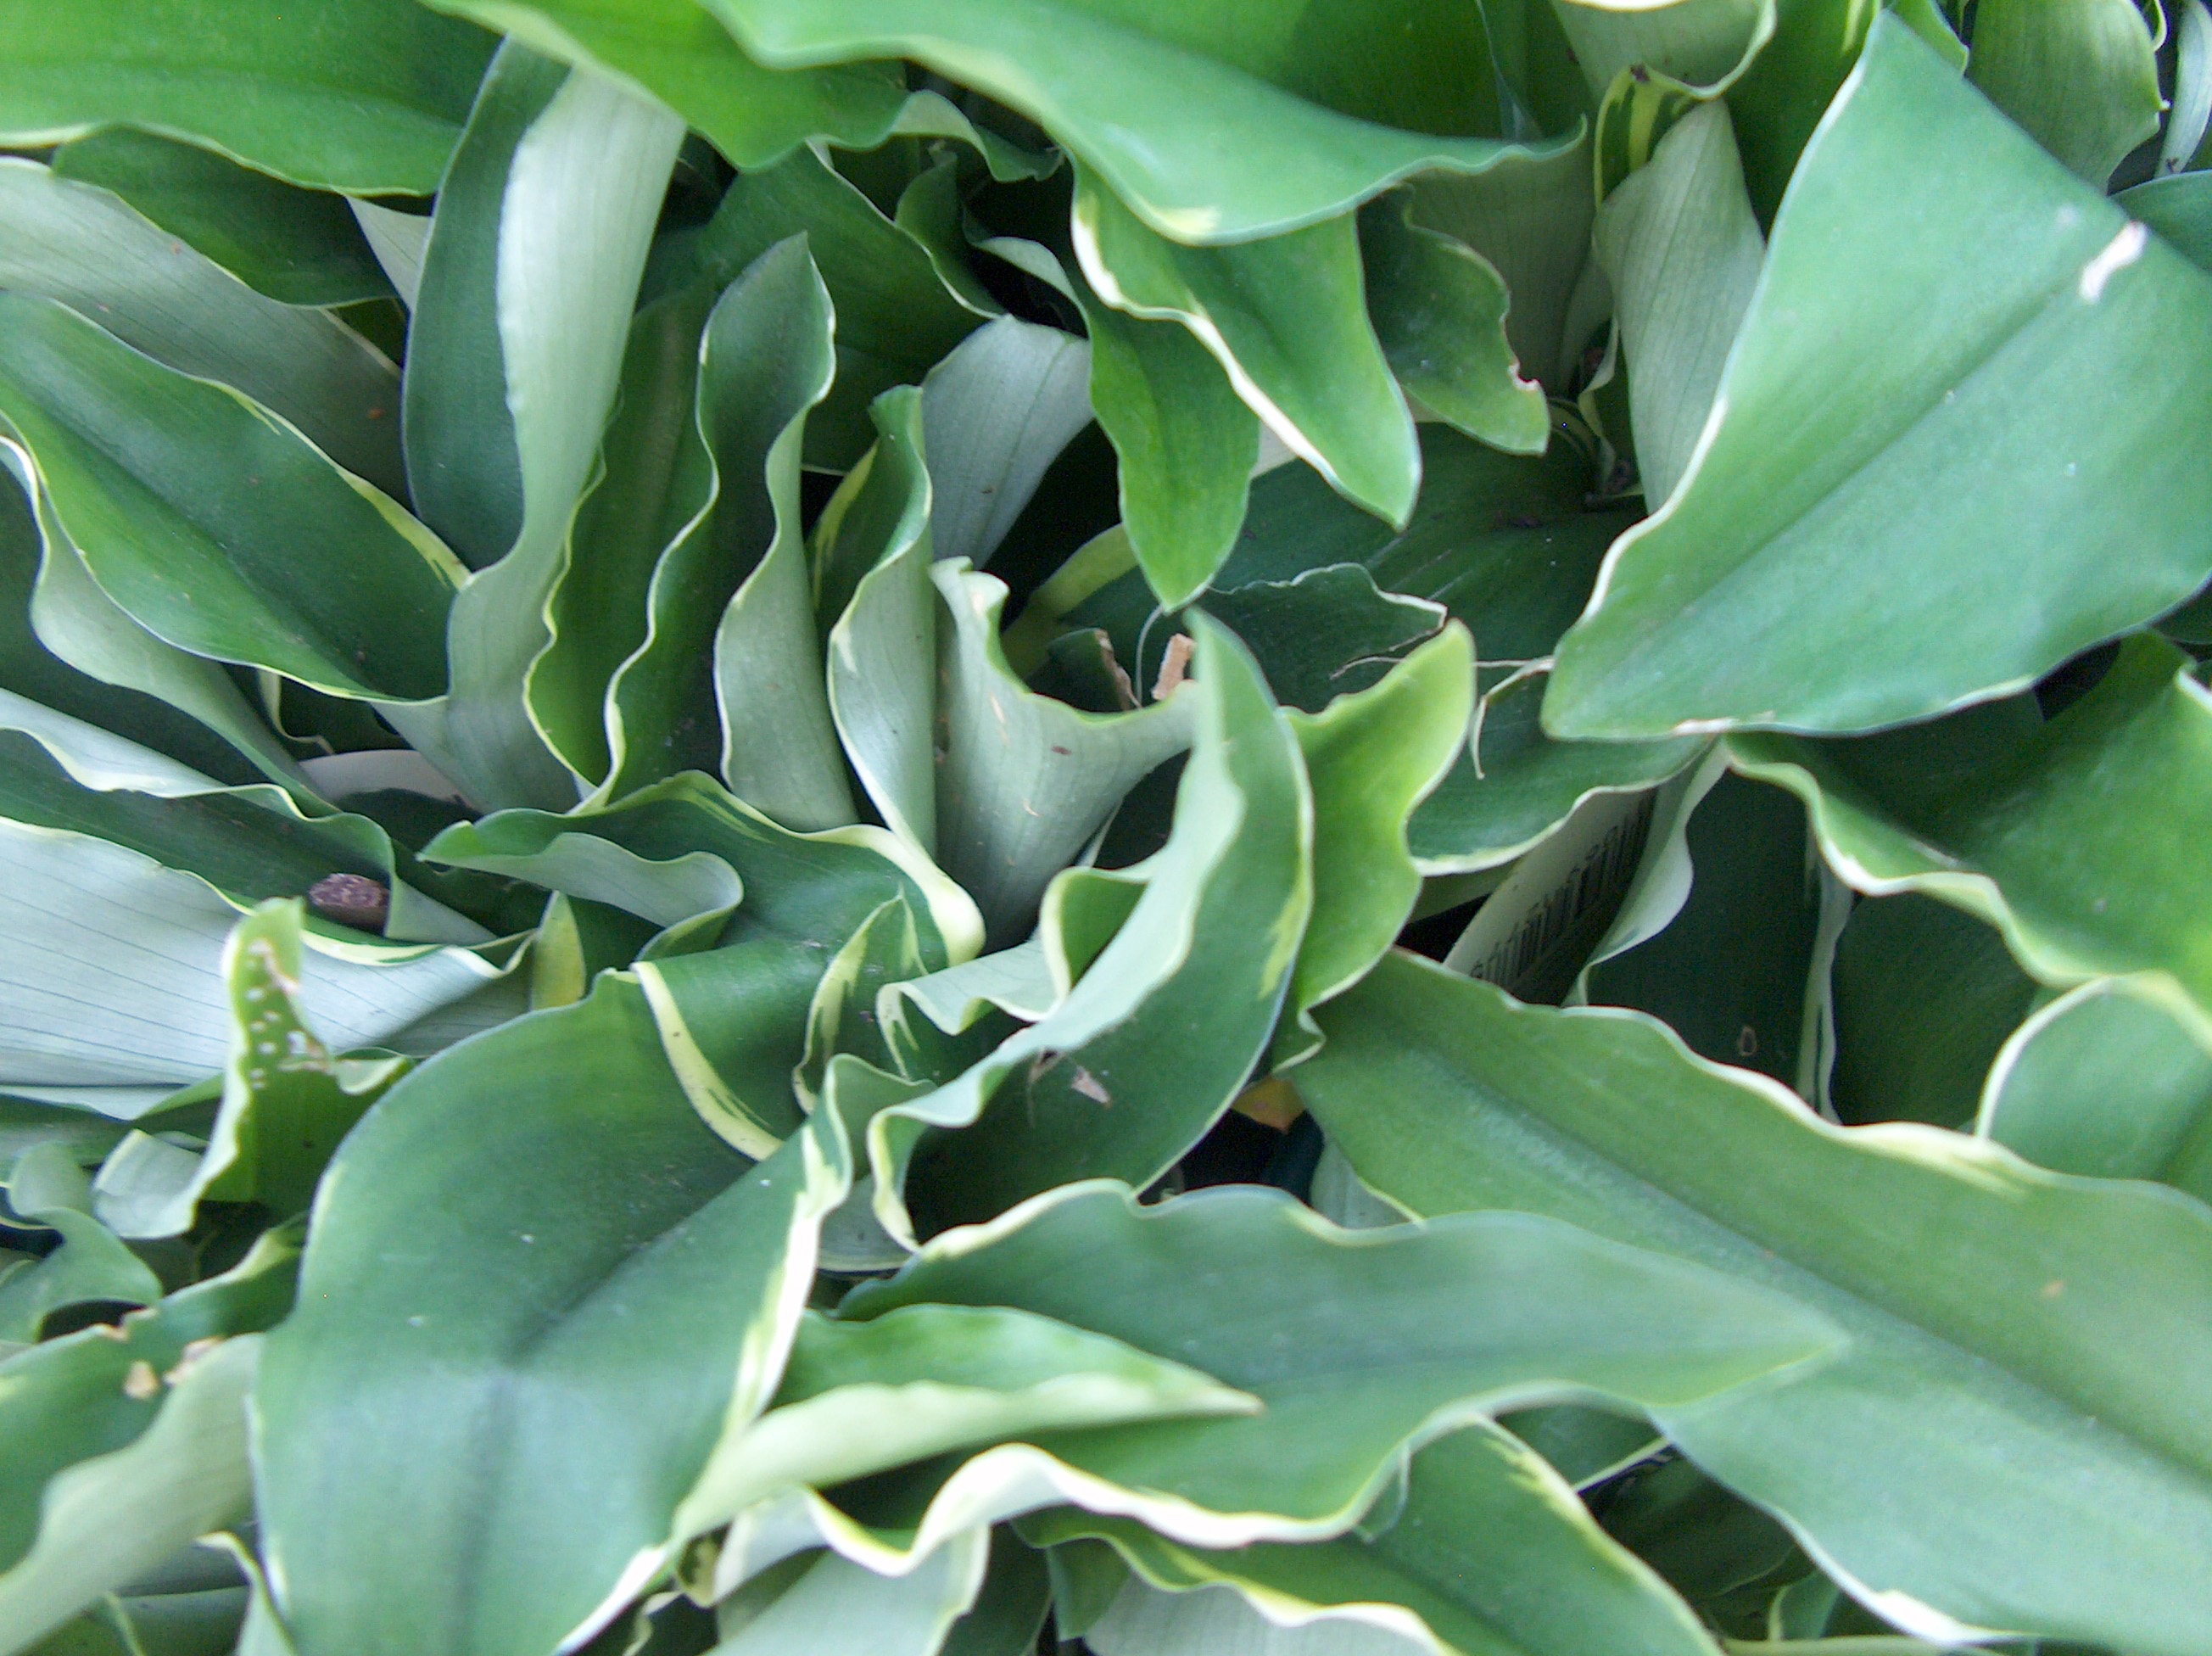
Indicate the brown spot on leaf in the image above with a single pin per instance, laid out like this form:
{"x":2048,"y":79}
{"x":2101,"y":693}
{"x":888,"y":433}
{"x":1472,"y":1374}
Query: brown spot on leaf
{"x":352,"y":900}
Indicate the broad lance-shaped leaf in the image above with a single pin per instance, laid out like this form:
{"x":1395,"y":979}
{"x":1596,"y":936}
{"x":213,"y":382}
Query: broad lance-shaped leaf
{"x":2077,"y":838}
{"x":1358,"y":1345}
{"x":1683,"y":251}
{"x":1491,"y":1555}
{"x":779,"y":748}
{"x":1025,"y":780}
{"x":83,"y":246}
{"x":477,"y":1430}
{"x":1149,"y":1045}
{"x":215,"y":525}
{"x":654,"y":482}
{"x":301,"y":247}
{"x":1213,"y":127}
{"x":2110,"y":1081}
{"x":2052,"y":1361}
{"x":1369,"y":758}
{"x":895,"y":315}
{"x":66,"y":647}
{"x":2084,"y":79}
{"x":1287,"y":318}
{"x":111,"y":974}
{"x":529,"y":281}
{"x":733,"y":575}
{"x":73,"y":1402}
{"x":366,"y":96}
{"x":2018,"y":428}
{"x":286,"y":1100}
{"x":1439,"y":309}
{"x":872,"y":571}
{"x":731,"y":1006}
{"x":1185,"y":442}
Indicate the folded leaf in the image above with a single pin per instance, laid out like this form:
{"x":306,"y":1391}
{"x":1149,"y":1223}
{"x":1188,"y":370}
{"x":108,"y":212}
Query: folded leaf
{"x":79,"y":244}
{"x":1149,"y":1047}
{"x":1491,"y":1555}
{"x":2082,"y":77}
{"x":529,"y":281}
{"x":1287,"y":318}
{"x":2016,"y":428}
{"x":2052,"y":1365}
{"x":2076,"y":838}
{"x":301,"y":246}
{"x":216,"y":525}
{"x":2106,"y":1081}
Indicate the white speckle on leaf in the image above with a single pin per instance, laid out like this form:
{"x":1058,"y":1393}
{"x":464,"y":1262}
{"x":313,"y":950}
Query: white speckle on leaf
{"x":2122,"y":251}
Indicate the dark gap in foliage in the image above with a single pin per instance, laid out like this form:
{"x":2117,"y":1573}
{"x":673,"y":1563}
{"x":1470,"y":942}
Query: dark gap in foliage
{"x":1434,"y":935}
{"x":2071,"y":680}
{"x":1236,"y":1150}
{"x":1078,"y":499}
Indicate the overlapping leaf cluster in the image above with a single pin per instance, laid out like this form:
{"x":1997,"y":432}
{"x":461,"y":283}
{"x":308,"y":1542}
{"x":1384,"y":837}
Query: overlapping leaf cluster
{"x":715,"y":716}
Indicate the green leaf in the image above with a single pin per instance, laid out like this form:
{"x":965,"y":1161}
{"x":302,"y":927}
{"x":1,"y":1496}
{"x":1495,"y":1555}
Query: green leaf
{"x":366,"y":96}
{"x":895,"y":316}
{"x":1325,"y":635}
{"x":1287,"y":319}
{"x":872,"y":561}
{"x":1213,"y":126}
{"x":2108,"y":1081}
{"x":996,"y":414}
{"x":834,"y":1604}
{"x":1957,"y":435}
{"x":2036,"y":1370}
{"x":90,"y":1266}
{"x":1515,"y":785}
{"x":2076,"y":838}
{"x":1925,"y":997}
{"x":674,"y":50}
{"x":1009,"y":1613}
{"x":1171,"y":1014}
{"x":79,"y":244}
{"x":1733,"y":971}
{"x":1185,"y":441}
{"x":1777,"y":99}
{"x":286,"y":1101}
{"x":297,"y":245}
{"x":113,"y":973}
{"x":1699,"y":42}
{"x":248,"y":844}
{"x":1532,"y":223}
{"x":73,"y":1400}
{"x":1491,"y":1555}
{"x":68,"y":648}
{"x":529,"y":282}
{"x":1439,"y":309}
{"x":106,"y":1521}
{"x":732,"y":1012}
{"x":2180,"y":209}
{"x":1025,"y":780}
{"x":654,"y":484}
{"x":1359,"y":1346}
{"x":864,"y":1398}
{"x":779,"y":746}
{"x":1683,"y":253}
{"x":215,"y":525}
{"x":475,"y":1430}
{"x":1369,"y":758}
{"x":2082,"y":75}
